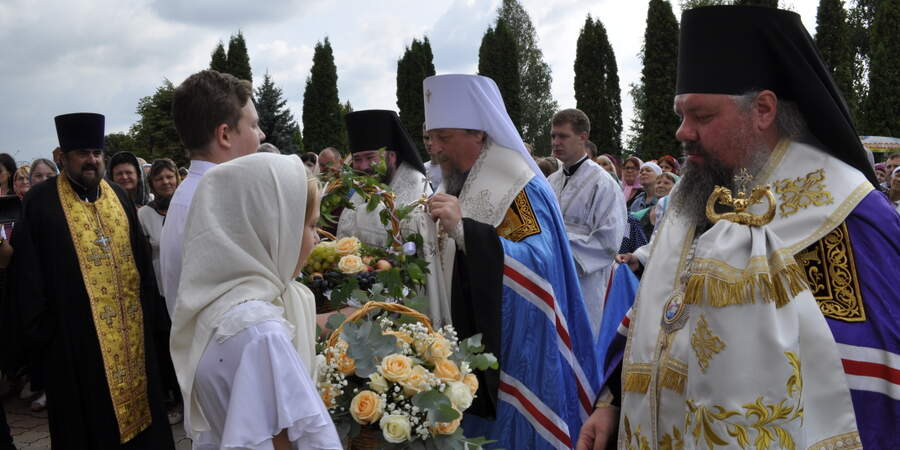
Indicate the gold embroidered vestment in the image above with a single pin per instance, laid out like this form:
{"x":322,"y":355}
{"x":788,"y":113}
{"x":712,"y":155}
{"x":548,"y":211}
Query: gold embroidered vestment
{"x":100,"y":235}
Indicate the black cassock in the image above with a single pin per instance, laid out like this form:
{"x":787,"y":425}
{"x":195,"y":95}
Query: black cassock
{"x":56,"y":320}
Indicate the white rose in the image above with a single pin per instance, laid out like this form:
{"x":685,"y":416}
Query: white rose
{"x":321,"y":367}
{"x":347,"y":246}
{"x":351,"y":264}
{"x":460,"y":394}
{"x":378,"y":383}
{"x":395,"y":428}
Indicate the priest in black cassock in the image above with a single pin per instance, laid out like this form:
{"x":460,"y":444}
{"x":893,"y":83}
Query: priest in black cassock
{"x":88,"y":301}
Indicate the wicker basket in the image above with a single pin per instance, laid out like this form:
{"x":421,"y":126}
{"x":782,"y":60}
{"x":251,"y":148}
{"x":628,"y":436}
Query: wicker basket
{"x":370,"y":306}
{"x":370,"y":436}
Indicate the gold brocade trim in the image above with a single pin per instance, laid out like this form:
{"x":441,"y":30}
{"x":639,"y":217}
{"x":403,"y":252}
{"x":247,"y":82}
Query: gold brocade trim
{"x":767,"y":420}
{"x":640,"y":441}
{"x":846,"y":441}
{"x":802,"y":192}
{"x":673,"y":380}
{"x":777,"y":285}
{"x":100,"y":235}
{"x":836,"y":218}
{"x":519,"y":221}
{"x":830,"y":270}
{"x":705,"y":343}
{"x":636,"y":377}
{"x":674,"y":441}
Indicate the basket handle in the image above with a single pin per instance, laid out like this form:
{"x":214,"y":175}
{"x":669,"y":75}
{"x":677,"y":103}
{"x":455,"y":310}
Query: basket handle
{"x":392,"y":307}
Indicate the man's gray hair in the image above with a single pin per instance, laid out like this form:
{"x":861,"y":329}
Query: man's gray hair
{"x":788,"y":119}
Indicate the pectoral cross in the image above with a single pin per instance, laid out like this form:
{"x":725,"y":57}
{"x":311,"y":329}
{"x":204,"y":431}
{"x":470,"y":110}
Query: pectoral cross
{"x":742,"y":182}
{"x":102,"y":241}
{"x":108,"y":315}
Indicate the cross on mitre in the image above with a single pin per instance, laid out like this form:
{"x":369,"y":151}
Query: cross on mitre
{"x":428,"y":96}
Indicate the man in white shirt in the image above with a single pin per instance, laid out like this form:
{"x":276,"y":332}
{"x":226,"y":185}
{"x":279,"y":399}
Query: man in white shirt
{"x":213,"y":129}
{"x":593,"y":209}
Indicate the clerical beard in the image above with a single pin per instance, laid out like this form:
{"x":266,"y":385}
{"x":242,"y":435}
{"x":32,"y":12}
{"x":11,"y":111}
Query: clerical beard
{"x":697,"y":183}
{"x":453,"y":179}
{"x":699,"y":179}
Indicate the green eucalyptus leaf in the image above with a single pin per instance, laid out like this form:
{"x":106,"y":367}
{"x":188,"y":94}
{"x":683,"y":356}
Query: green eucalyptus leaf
{"x":335,"y":320}
{"x":485,"y":361}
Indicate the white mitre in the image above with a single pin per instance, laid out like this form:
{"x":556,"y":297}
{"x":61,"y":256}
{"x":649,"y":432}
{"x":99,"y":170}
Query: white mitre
{"x":472,"y":102}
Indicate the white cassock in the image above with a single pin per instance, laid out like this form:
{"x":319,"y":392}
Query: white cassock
{"x":409,"y":185}
{"x":593,"y":209}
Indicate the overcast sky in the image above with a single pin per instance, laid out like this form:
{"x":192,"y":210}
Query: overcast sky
{"x":63,"y":56}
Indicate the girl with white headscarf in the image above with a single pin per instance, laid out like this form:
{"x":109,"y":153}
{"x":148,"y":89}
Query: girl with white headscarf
{"x":243,"y":332}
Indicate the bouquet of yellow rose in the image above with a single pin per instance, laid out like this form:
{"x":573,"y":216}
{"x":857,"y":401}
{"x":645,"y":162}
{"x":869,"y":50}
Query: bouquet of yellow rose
{"x":386,"y":374}
{"x":345,"y":269}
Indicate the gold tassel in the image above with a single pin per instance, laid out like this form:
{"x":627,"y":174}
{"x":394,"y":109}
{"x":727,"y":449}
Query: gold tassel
{"x":636,"y":382}
{"x":673,"y":380}
{"x":778,"y":287}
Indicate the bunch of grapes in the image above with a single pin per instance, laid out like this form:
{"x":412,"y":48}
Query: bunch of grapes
{"x":365,"y":280}
{"x":322,"y":282}
{"x":321,"y":259}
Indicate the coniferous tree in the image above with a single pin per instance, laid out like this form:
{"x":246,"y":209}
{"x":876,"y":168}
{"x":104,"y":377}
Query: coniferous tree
{"x":498,"y":59}
{"x":275,"y":119}
{"x":238,"y":59}
{"x":323,"y":125}
{"x":882,"y":107}
{"x":219,"y":60}
{"x":121,"y":142}
{"x":154,"y":133}
{"x":597,"y":90}
{"x":833,"y":41}
{"x":536,"y":101}
{"x":859,"y":22}
{"x":416,"y":64}
{"x":655,"y":125}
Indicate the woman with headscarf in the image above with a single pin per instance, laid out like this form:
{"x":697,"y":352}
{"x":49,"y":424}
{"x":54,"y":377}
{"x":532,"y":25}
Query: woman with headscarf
{"x":164,"y":180}
{"x":668,"y":163}
{"x":608,"y":166}
{"x":244,"y":331}
{"x":125,"y":170}
{"x":664,"y":184}
{"x":631,"y":185}
{"x":41,"y":170}
{"x":646,"y":198}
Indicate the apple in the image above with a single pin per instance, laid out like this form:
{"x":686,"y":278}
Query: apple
{"x":383,"y":264}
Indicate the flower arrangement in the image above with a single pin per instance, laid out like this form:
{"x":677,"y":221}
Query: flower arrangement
{"x":387,"y":376}
{"x":344,"y":269}
{"x":339,"y":270}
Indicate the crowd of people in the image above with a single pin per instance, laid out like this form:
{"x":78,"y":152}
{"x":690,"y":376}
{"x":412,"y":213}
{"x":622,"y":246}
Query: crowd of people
{"x":139,"y":295}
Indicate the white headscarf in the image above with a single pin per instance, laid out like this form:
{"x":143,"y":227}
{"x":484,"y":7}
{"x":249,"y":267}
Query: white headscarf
{"x":472,"y":102}
{"x":653,"y":166}
{"x":241,"y":243}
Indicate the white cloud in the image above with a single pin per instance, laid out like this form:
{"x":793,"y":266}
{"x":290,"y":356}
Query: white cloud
{"x":104,"y":55}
